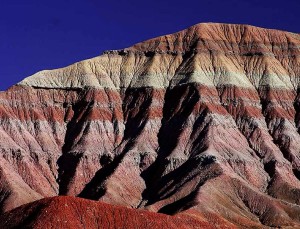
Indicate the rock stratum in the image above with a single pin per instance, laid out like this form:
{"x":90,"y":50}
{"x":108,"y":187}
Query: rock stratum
{"x":202,"y":125}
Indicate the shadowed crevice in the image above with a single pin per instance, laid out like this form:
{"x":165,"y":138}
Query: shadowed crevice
{"x":95,"y":189}
{"x":297,"y":109}
{"x":136,"y":115}
{"x":32,"y":213}
{"x":67,"y":165}
{"x":297,"y":173}
{"x":184,"y":203}
{"x":179,"y":105}
{"x":68,"y":161}
{"x":4,"y":194}
{"x":196,"y":170}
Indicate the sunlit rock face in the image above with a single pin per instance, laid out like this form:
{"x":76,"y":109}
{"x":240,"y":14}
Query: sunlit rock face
{"x":203,"y":123}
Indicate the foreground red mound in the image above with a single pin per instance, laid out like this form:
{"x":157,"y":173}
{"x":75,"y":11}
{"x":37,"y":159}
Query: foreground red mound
{"x":71,"y":212}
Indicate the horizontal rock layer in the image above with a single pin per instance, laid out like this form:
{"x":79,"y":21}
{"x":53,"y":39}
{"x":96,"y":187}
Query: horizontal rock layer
{"x":203,"y":122}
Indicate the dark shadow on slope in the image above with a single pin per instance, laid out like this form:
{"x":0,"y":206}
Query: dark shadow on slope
{"x":198,"y":170}
{"x":68,"y":161}
{"x":195,"y":162}
{"x":4,"y":194}
{"x":95,"y":188}
{"x":183,"y":204}
{"x":32,"y":214}
{"x":297,"y":109}
{"x":179,"y":104}
{"x":284,"y":148}
{"x":136,"y":110}
{"x":188,"y":55}
{"x":136,"y":115}
{"x":67,"y":165}
{"x":270,"y":168}
{"x":297,"y":173}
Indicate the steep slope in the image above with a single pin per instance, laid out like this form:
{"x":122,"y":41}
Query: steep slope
{"x":203,"y":120}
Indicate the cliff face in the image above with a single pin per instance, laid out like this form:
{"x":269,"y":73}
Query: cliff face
{"x":205,"y":120}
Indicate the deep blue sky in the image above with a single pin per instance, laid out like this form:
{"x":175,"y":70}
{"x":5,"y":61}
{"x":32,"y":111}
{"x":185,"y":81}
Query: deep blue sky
{"x":47,"y":34}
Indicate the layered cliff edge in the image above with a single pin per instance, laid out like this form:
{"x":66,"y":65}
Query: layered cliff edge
{"x":205,"y":120}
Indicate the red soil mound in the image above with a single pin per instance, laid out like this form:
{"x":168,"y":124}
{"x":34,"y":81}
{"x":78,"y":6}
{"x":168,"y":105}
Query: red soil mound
{"x":71,"y":212}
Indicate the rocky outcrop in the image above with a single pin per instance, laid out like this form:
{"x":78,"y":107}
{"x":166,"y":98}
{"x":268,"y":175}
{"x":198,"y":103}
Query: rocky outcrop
{"x":205,"y":120}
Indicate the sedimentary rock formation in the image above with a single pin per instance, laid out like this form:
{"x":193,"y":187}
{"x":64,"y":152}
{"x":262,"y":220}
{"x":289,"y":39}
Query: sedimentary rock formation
{"x":205,"y":120}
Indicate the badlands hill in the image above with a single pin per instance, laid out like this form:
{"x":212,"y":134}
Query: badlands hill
{"x":201,"y":124}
